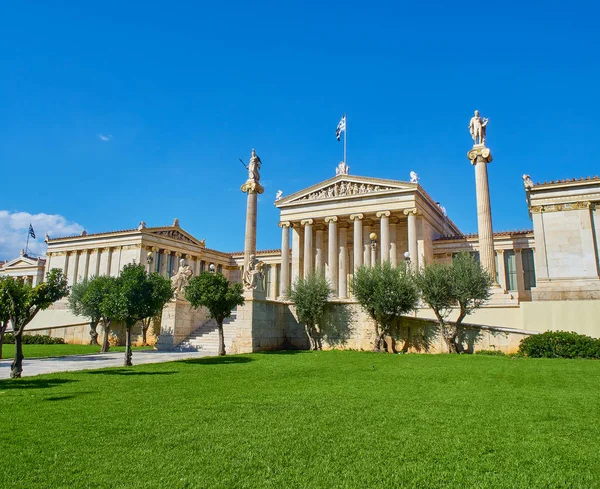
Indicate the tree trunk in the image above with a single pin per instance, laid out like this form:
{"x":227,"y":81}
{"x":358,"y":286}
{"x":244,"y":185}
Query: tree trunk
{"x":221,"y":338}
{"x":105,"y":343}
{"x":3,"y":327}
{"x":128,"y":347}
{"x":145,"y":327}
{"x":378,"y":339}
{"x":311,"y":340}
{"x":93,"y":333}
{"x":17,"y":365}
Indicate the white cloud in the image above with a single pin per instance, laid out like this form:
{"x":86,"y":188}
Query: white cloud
{"x":105,"y":137}
{"x":14,"y":227}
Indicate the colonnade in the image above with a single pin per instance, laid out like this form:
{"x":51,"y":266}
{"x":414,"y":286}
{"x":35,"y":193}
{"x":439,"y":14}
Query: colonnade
{"x":308,"y":253}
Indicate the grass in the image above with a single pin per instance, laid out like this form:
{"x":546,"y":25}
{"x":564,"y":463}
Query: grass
{"x":38,"y":351}
{"x":322,"y":419}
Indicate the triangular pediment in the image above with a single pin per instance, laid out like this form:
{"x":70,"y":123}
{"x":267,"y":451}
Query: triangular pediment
{"x":177,"y":234}
{"x":21,"y":262}
{"x":345,"y":187}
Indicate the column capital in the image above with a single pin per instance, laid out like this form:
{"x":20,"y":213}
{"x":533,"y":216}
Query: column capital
{"x":108,"y":248}
{"x":500,"y":251}
{"x":479,"y":154}
{"x":381,"y":214}
{"x":285,"y":224}
{"x":518,"y":250}
{"x":178,"y":253}
{"x":307,"y":222}
{"x":166,"y":252}
{"x":154,"y":248}
{"x":331,"y":219}
{"x":189,"y":257}
{"x":410,"y":211}
{"x":95,"y":250}
{"x":356,"y":217}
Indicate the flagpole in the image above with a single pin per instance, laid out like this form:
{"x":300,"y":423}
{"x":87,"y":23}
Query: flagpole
{"x":27,"y":243}
{"x":345,"y":131}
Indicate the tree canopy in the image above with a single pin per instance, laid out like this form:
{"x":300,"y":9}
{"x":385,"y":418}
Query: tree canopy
{"x":385,"y":292}
{"x":464,"y":284}
{"x":219,"y":296}
{"x":310,"y":296}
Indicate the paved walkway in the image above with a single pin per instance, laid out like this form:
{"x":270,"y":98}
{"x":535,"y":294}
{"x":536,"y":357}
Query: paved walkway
{"x":37,"y":366}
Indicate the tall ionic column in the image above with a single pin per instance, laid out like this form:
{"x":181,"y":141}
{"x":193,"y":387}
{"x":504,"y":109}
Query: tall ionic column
{"x":284,"y":276}
{"x":75,"y":267}
{"x":108,"y":261}
{"x":98,"y":253}
{"x":385,"y":235}
{"x":358,"y":239}
{"x":343,"y":262}
{"x":319,"y":256}
{"x":332,"y":253}
{"x":296,"y":256}
{"x":480,"y":156}
{"x":412,"y":237}
{"x":308,"y":246}
{"x":66,"y":265}
{"x":86,"y":265}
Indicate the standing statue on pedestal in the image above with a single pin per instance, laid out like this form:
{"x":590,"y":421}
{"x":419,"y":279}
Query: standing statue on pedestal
{"x":254,"y":167}
{"x":477,"y":127}
{"x":180,"y":279}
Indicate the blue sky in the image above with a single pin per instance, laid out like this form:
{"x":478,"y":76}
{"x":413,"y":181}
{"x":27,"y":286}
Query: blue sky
{"x":179,"y":91}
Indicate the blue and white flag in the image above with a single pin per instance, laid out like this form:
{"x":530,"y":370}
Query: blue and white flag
{"x":31,"y":231}
{"x":341,"y":127}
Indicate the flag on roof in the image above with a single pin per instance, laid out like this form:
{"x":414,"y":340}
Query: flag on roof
{"x":341,"y":127}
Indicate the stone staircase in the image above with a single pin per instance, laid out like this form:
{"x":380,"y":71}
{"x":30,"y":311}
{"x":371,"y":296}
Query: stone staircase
{"x":206,"y":337}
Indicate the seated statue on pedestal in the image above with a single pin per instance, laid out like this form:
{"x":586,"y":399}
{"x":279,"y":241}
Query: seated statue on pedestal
{"x":180,"y":279}
{"x":253,"y":274}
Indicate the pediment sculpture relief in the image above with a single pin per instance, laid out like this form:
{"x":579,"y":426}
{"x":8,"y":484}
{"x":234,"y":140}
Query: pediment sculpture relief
{"x":343,"y":188}
{"x":174,"y":234}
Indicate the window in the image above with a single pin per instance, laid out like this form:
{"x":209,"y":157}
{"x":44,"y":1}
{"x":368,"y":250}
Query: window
{"x":202,"y":266}
{"x":511,"y":270}
{"x":528,"y":268}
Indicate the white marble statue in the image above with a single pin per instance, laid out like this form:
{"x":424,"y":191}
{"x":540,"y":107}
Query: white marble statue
{"x":414,"y":178}
{"x":46,"y":238}
{"x":279,"y":195}
{"x":253,"y":274}
{"x":477,"y":128}
{"x":254,"y":167}
{"x":527,"y":182}
{"x":342,"y":169}
{"x":180,"y":279}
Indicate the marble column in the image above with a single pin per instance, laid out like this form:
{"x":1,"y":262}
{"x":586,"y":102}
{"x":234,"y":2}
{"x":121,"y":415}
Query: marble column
{"x":86,"y":265}
{"x":98,"y":253}
{"x":358,"y":239}
{"x":480,"y":156}
{"x":366,"y":244}
{"x":164,"y":265}
{"x":75,"y":267}
{"x":384,"y":216}
{"x":253,"y":189}
{"x":284,"y":276}
{"x":393,"y":242}
{"x":296,"y":254}
{"x":319,"y":257}
{"x":520,"y":272}
{"x":332,"y":253}
{"x":308,"y":246}
{"x":343,"y":261}
{"x":108,"y":261}
{"x":273,"y":272}
{"x":412,"y":237}
{"x":66,"y":265}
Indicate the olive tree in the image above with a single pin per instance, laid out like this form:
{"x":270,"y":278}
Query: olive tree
{"x":219,"y":296}
{"x":385,"y":293}
{"x":464,"y":285}
{"x":310,"y":297}
{"x":79,"y":306}
{"x":23,"y":303}
{"x":134,"y":299}
{"x":4,"y":309}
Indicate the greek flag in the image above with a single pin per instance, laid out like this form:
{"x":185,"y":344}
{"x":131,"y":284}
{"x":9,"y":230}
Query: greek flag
{"x":31,"y":231}
{"x":340,"y":127}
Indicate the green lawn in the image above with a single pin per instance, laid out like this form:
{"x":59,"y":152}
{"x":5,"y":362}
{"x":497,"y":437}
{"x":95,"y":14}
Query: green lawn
{"x":37,"y":351}
{"x":296,"y":420}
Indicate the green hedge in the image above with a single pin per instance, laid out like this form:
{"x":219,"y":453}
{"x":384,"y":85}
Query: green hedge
{"x":491,"y":353}
{"x":36,"y":339}
{"x":560,"y":344}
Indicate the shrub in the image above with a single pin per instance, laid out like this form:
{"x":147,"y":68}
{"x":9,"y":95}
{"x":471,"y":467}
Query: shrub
{"x":491,"y":353}
{"x":37,"y":339}
{"x":560,"y":344}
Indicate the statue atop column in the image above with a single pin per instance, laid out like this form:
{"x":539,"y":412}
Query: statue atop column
{"x":253,"y":167}
{"x":477,"y":128}
{"x":180,"y":279}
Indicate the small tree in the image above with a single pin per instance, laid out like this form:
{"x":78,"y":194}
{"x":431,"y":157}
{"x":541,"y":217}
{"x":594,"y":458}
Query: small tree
{"x":133,"y":300}
{"x":310,"y":297}
{"x":79,"y":307}
{"x":4,"y":309}
{"x":385,"y":292}
{"x":161,"y":293}
{"x":218,"y":295}
{"x":464,"y":284}
{"x":25,"y":301}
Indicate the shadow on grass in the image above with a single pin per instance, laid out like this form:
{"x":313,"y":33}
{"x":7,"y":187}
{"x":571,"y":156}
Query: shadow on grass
{"x":291,"y":351}
{"x":225,"y":360}
{"x":32,"y":383}
{"x":66,"y":397}
{"x":128,"y":372}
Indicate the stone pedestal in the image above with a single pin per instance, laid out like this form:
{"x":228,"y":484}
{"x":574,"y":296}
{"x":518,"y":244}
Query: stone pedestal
{"x":179,"y":320}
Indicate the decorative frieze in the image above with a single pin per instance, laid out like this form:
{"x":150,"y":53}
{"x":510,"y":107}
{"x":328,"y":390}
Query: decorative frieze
{"x":567,"y":206}
{"x":344,"y":189}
